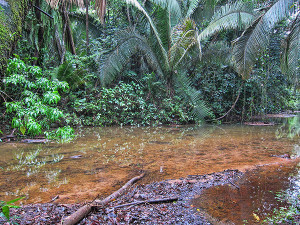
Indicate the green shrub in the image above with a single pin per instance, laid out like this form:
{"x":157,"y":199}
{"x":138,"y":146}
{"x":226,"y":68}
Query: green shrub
{"x":34,"y":108}
{"x":5,"y":206}
{"x":127,"y":104}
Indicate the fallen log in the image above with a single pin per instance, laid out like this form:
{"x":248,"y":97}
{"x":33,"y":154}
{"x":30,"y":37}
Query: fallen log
{"x":34,"y":141}
{"x":86,"y":209}
{"x":161,"y":200}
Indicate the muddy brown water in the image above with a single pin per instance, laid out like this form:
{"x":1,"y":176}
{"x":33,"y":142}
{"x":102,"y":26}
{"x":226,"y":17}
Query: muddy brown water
{"x":253,"y":198}
{"x":100,"y":160}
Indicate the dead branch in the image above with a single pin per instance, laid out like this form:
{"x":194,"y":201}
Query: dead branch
{"x":146,"y":202}
{"x":86,"y":209}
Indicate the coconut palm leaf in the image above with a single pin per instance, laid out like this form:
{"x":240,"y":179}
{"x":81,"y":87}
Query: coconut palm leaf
{"x":139,"y":7}
{"x":230,"y":16}
{"x":173,"y":8}
{"x":130,"y":42}
{"x":290,"y":59}
{"x":193,"y":5}
{"x":255,"y":38}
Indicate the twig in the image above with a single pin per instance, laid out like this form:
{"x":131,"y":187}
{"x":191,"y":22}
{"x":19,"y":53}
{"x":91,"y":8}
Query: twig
{"x":232,"y":107}
{"x":6,"y":95}
{"x":233,"y":184}
{"x":43,"y":11}
{"x":146,"y":202}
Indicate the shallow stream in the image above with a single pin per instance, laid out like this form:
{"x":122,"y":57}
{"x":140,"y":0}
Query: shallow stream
{"x":100,"y":160}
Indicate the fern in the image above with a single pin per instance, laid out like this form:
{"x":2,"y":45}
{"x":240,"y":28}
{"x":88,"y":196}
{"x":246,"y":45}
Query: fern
{"x":185,"y":89}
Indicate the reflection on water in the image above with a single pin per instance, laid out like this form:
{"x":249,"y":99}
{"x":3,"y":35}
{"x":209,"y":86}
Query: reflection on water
{"x":290,"y":128}
{"x":100,"y":160}
{"x":255,"y":198}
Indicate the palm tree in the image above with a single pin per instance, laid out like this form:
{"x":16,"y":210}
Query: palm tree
{"x":290,"y":60}
{"x":255,"y":39}
{"x":100,"y":6}
{"x":173,"y":41}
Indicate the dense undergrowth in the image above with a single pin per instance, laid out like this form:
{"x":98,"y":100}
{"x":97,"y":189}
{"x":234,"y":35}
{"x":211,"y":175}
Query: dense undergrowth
{"x":70,"y":92}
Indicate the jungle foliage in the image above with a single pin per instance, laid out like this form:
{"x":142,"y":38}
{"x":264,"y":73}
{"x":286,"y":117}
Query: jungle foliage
{"x":153,"y":62}
{"x":34,"y":108}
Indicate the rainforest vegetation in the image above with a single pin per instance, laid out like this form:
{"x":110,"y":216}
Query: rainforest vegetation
{"x":65,"y":64}
{"x":101,"y":63}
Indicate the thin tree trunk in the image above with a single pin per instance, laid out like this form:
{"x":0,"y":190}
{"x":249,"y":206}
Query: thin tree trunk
{"x":60,"y":44}
{"x":40,"y":32}
{"x":69,"y":35}
{"x":87,"y":25}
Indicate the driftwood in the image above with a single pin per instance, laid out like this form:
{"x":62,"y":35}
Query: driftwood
{"x":34,"y":141}
{"x":86,"y":209}
{"x":146,"y":202}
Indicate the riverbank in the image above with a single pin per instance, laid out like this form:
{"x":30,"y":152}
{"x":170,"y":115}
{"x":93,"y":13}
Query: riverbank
{"x":167,"y":213}
{"x":183,"y":211}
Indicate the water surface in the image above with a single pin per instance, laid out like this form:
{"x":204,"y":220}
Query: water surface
{"x":253,"y":198}
{"x":100,"y":160}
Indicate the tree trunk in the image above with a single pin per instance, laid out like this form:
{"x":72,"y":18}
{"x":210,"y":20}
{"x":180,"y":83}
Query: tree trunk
{"x":87,"y":25}
{"x":40,"y":33}
{"x":12,"y":15}
{"x":68,"y":33}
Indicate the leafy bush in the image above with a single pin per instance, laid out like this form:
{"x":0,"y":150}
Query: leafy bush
{"x":127,"y":104}
{"x":35,"y":98}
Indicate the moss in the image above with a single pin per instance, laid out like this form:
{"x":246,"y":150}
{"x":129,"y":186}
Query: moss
{"x":10,"y":28}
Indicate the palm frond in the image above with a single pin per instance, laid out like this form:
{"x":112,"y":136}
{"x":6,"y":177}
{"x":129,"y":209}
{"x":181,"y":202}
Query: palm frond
{"x":139,"y":7}
{"x":193,"y":5}
{"x":173,"y":8}
{"x":255,"y":38}
{"x":230,"y":16}
{"x":290,"y":59}
{"x":162,"y":22}
{"x":185,"y":89}
{"x":184,"y":37}
{"x":217,"y":53}
{"x":130,"y":42}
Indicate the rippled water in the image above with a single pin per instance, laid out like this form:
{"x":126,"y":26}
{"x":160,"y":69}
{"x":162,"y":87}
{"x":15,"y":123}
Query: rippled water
{"x":100,"y":160}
